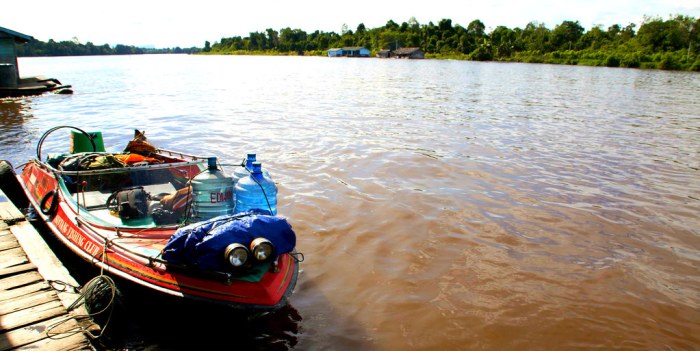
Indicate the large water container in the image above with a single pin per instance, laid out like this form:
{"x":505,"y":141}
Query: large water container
{"x":256,"y":191}
{"x":212,"y":192}
{"x":246,"y":168}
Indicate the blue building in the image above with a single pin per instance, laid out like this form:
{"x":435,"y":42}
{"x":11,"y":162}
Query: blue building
{"x":353,"y":51}
{"x":335,"y":52}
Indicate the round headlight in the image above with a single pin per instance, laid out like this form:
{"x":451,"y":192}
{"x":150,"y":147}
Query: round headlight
{"x":236,"y":255}
{"x":262,"y":249}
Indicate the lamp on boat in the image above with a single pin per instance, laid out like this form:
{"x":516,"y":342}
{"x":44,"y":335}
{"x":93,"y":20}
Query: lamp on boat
{"x":236,"y":255}
{"x":262,"y":249}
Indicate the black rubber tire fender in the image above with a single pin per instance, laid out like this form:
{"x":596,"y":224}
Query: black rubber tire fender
{"x":51,"y":210}
{"x":11,"y":186}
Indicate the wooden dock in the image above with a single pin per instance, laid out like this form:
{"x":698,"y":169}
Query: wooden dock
{"x":33,"y":315}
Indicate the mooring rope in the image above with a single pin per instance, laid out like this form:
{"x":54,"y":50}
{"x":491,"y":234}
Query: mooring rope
{"x":99,"y":293}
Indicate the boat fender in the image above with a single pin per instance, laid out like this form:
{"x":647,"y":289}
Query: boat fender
{"x":51,"y":210}
{"x":11,"y":186}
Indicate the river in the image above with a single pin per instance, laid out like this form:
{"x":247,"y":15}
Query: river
{"x":439,"y":204}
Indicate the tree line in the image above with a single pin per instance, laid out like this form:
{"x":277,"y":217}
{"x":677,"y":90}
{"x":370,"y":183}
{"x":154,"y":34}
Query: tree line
{"x":75,"y":48}
{"x":672,"y":44}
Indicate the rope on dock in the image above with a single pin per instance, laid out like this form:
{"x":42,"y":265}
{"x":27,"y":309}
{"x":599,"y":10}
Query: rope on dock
{"x":98,"y":296}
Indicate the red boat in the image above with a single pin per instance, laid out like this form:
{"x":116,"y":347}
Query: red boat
{"x":88,"y":201}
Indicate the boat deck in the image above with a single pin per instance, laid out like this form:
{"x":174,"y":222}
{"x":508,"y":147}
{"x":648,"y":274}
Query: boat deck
{"x":32,"y":314}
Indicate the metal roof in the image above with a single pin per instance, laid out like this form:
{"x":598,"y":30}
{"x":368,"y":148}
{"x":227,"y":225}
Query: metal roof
{"x":19,"y":37}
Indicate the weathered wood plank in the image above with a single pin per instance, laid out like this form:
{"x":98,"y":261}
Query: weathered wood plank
{"x":27,"y":301}
{"x":50,"y":267}
{"x":32,"y":315}
{"x":24,"y":290}
{"x":9,"y":213}
{"x":72,"y":343}
{"x":19,"y":280}
{"x":59,"y":327}
{"x":28,"y":304}
{"x":8,"y":242}
{"x":6,"y":272}
{"x":12,"y":257}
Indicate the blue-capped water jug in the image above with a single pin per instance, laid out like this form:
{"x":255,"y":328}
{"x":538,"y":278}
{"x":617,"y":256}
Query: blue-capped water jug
{"x":246,"y":168}
{"x":256,"y":192}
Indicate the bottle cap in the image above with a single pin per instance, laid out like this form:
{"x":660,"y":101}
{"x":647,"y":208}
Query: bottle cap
{"x":211,"y":161}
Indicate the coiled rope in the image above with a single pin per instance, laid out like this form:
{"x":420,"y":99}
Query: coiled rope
{"x":98,"y":296}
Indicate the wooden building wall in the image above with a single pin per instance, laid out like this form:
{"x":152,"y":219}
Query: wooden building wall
{"x":8,"y":55}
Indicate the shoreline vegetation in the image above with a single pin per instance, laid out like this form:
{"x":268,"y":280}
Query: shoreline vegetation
{"x":671,"y":44}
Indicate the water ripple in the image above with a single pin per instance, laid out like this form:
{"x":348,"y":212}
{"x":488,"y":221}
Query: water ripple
{"x":440,"y":204}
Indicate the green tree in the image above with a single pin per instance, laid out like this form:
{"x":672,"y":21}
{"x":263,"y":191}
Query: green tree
{"x":565,"y":35}
{"x":502,"y":40}
{"x":595,"y":38}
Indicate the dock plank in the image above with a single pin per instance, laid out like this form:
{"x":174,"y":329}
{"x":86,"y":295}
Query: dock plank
{"x":59,"y":327}
{"x":24,"y":290}
{"x":71,"y":343}
{"x":50,"y":267}
{"x":32,"y":315}
{"x":5,"y":272}
{"x":27,"y":301}
{"x":8,"y":242}
{"x":12,"y":257}
{"x":19,"y":280}
{"x":9,"y":213}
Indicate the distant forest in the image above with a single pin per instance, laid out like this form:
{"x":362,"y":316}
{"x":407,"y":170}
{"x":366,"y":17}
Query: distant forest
{"x":672,"y":44}
{"x":74,"y":48}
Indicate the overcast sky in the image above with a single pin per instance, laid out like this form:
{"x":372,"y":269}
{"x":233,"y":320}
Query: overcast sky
{"x":171,"y":23}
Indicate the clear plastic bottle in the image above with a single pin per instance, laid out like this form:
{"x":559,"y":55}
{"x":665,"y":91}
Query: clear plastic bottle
{"x":256,"y":192}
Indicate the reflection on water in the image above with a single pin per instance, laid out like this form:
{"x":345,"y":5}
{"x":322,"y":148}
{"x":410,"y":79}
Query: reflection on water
{"x":439,"y":204}
{"x":13,"y":114}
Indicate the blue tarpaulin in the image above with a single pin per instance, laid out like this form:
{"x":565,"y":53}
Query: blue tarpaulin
{"x":202,"y":244}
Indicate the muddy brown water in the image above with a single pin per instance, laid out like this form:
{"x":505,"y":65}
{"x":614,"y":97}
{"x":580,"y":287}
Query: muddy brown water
{"x":439,"y":204}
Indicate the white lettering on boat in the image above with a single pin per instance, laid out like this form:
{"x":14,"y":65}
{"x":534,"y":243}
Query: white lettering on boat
{"x":75,"y":236}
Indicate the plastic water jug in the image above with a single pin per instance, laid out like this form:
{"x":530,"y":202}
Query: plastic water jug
{"x":212,"y":192}
{"x":256,"y":191}
{"x":245,"y":169}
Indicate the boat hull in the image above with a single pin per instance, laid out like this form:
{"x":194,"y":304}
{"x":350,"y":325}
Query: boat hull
{"x":133,"y":254}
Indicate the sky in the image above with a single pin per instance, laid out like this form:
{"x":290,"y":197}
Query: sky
{"x":172,"y":23}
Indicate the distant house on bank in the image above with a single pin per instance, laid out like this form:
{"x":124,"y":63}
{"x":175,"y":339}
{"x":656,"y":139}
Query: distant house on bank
{"x":335,"y":52}
{"x":11,"y":84}
{"x":9,"y":70}
{"x":407,"y":53}
{"x":384,"y":53}
{"x":354,"y":51}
